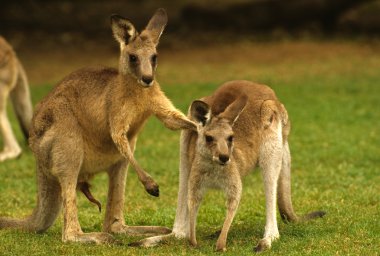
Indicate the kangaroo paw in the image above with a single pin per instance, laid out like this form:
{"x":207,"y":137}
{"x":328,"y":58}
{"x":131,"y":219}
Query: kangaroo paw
{"x":221,"y":247}
{"x":10,"y":154}
{"x":152,"y":188}
{"x":264,"y":244}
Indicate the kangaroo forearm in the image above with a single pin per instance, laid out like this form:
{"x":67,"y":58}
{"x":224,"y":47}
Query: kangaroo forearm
{"x":175,"y":120}
{"x":123,"y":145}
{"x":124,"y":148}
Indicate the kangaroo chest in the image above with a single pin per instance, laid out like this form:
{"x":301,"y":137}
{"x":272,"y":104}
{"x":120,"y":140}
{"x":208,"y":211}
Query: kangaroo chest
{"x":214,"y":176}
{"x":102,"y":153}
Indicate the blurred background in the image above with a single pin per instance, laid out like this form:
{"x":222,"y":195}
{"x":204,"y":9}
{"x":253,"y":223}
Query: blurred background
{"x":53,"y":38}
{"x":68,"y":33}
{"x":89,"y":18}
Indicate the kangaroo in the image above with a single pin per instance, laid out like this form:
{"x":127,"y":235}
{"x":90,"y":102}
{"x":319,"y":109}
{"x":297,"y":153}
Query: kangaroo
{"x":13,"y":83}
{"x":240,"y":126}
{"x":88,"y":124}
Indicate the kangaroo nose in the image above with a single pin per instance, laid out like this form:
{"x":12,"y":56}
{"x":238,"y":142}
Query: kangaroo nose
{"x":147,"y":79}
{"x":224,"y":159}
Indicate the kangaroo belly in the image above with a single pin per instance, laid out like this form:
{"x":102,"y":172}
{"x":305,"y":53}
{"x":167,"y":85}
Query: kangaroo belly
{"x":98,"y":159}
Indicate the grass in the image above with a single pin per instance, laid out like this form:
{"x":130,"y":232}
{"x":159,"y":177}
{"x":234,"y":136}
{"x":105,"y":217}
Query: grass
{"x":331,"y":91}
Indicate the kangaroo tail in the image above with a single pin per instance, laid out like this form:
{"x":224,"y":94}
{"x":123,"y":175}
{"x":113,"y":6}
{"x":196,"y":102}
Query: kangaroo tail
{"x":284,"y":197}
{"x":292,"y":217}
{"x":21,"y":101}
{"x":48,"y":207}
{"x":313,"y":215}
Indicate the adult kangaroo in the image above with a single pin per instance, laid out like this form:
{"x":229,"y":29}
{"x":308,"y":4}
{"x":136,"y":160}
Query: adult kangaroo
{"x":13,"y":84}
{"x":88,"y":124}
{"x":240,"y":126}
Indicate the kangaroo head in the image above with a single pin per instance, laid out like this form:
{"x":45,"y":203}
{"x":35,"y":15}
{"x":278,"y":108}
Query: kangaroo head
{"x":215,"y":132}
{"x":138,"y":56}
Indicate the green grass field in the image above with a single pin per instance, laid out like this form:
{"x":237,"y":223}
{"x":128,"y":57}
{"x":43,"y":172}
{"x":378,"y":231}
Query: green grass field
{"x":332,"y":93}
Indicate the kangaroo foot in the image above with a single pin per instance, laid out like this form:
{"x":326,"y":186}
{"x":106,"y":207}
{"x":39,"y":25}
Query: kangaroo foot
{"x":139,"y":230}
{"x":265,"y":243}
{"x":221,"y":247}
{"x":93,"y":238}
{"x":151,"y":241}
{"x":9,"y":154}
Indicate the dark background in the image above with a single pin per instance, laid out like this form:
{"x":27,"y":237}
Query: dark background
{"x":53,"y":38}
{"x":70,"y":20}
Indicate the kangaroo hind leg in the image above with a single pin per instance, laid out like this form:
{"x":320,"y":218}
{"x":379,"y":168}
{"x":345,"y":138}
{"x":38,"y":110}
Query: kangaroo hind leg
{"x":114,"y":220}
{"x":270,"y":163}
{"x":181,"y":223}
{"x":66,"y":160}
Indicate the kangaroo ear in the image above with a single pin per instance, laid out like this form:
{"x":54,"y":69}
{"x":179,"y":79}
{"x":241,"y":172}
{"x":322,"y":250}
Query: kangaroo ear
{"x":157,"y":25}
{"x":123,"y":30}
{"x":200,"y":112}
{"x":268,"y":113}
{"x":233,"y":111}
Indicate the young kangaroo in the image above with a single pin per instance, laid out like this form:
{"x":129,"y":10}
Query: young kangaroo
{"x":240,"y":126}
{"x":13,"y":83}
{"x":88,"y":124}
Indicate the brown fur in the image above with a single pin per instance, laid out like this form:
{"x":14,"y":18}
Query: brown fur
{"x":13,"y":83}
{"x":249,"y":127}
{"x":89,"y":124}
{"x":241,"y":125}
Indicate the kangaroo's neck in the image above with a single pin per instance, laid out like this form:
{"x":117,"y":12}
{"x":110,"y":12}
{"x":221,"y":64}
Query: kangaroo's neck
{"x":127,"y":81}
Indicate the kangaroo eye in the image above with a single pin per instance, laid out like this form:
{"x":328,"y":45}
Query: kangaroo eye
{"x":230,"y":138}
{"x":132,"y":58}
{"x":209,"y":138}
{"x":154,"y":58}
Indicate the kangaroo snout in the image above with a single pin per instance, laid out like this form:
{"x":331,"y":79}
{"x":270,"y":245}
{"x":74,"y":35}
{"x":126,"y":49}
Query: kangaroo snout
{"x":147,"y":80}
{"x":224,"y":159}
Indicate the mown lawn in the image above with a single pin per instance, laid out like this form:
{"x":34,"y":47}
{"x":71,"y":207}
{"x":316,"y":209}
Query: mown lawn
{"x":332,"y":93}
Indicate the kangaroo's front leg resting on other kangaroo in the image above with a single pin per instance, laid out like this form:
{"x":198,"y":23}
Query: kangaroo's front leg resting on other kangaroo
{"x":172,"y":117}
{"x":120,"y":137}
